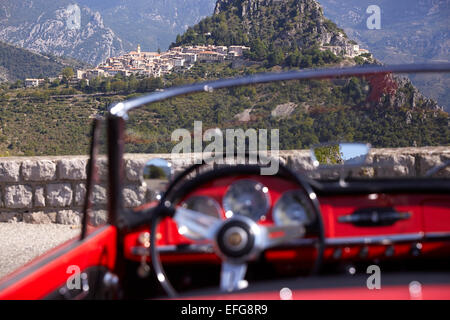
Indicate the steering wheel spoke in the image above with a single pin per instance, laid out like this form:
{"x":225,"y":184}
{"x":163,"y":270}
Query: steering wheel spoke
{"x":197,"y":222}
{"x":279,"y":235}
{"x":232,"y":276}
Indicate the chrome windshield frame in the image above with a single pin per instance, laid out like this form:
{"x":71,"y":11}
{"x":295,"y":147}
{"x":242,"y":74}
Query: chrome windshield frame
{"x":121,"y":109}
{"x":118,"y":112}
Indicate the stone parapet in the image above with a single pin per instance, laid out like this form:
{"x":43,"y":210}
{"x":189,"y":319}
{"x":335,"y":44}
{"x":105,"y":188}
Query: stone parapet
{"x":52,"y":189}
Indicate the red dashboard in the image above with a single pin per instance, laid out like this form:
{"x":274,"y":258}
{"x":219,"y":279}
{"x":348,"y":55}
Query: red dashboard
{"x":423,"y":229}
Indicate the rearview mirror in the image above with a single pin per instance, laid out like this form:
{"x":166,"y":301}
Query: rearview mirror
{"x":157,"y":174}
{"x":339,"y":154}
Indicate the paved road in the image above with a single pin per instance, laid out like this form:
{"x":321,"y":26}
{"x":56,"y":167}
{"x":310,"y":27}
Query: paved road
{"x":21,"y":242}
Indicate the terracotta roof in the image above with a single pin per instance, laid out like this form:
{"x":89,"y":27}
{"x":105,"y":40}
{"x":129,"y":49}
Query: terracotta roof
{"x":208,"y":52}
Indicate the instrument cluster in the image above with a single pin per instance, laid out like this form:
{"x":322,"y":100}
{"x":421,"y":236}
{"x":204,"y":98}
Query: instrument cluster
{"x":262,"y":201}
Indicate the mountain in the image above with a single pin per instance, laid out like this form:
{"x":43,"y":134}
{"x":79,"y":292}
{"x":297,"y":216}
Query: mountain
{"x":60,"y":28}
{"x":104,"y":28}
{"x":412,"y":31}
{"x":384,"y":110}
{"x":151,"y":23}
{"x":286,"y":25}
{"x":17,"y":64}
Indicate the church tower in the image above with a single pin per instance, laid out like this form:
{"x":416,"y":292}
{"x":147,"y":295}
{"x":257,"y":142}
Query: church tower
{"x":139,"y":48}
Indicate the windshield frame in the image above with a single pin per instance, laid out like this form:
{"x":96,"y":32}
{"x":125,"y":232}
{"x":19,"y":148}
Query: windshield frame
{"x":118,"y":112}
{"x":121,"y":109}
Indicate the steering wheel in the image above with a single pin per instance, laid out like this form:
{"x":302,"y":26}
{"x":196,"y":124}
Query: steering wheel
{"x":236,"y":240}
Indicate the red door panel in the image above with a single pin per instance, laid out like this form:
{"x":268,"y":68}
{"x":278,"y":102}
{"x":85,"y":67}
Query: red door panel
{"x":50,"y":271}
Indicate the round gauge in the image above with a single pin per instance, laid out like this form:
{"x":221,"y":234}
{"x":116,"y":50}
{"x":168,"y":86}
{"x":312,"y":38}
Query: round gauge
{"x":203,"y":204}
{"x":293,"y":208}
{"x":248,"y":198}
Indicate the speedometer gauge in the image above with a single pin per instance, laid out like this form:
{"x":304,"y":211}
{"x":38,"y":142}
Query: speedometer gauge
{"x":203,"y":204}
{"x":293,"y":208}
{"x":248,"y":198}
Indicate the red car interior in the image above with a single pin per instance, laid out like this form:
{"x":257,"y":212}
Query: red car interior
{"x":46,"y":274}
{"x":427,"y":219}
{"x":423,"y":232}
{"x":333,"y":229}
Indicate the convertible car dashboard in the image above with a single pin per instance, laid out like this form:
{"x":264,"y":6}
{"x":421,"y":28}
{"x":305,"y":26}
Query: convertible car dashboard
{"x":361,"y":223}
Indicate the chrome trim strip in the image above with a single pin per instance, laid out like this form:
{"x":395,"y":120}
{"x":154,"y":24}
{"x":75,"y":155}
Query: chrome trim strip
{"x":374,"y":240}
{"x":437,"y":235}
{"x":192,"y":248}
{"x":121,"y":109}
{"x":383,"y":240}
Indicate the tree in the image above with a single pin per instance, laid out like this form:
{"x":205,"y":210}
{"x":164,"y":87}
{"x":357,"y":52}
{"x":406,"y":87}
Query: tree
{"x":106,"y":86}
{"x":119,"y":86}
{"x":276,"y":57}
{"x":293,"y":59}
{"x":306,"y":61}
{"x":17,"y":84}
{"x":94,"y":84}
{"x":133,"y":83}
{"x":259,"y":49}
{"x":67,"y":73}
{"x":83,"y":84}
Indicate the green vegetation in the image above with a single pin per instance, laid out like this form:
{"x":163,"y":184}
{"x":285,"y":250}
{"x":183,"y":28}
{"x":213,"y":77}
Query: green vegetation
{"x":278,"y":34}
{"x":328,"y":155}
{"x":19,"y":63}
{"x":325,"y":111}
{"x":154,"y":173}
{"x":384,"y":111}
{"x":32,"y":122}
{"x":54,"y":119}
{"x":67,"y":73}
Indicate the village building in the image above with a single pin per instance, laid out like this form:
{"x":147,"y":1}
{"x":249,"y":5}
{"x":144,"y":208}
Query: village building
{"x":94,"y":73}
{"x":349,"y":50}
{"x":210,"y":56}
{"x":34,"y":82}
{"x":238,"y":49}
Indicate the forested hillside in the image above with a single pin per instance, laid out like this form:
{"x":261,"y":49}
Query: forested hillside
{"x":18,"y":64}
{"x":280,"y":33}
{"x":384,"y":110}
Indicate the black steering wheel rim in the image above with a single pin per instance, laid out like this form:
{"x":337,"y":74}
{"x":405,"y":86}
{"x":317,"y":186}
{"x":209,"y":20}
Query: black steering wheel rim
{"x":178,"y":189}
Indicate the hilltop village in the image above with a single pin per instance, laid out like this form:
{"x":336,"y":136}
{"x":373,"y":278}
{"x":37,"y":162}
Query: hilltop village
{"x":157,"y":64}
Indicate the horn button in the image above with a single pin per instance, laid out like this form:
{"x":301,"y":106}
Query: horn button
{"x":235,"y":239}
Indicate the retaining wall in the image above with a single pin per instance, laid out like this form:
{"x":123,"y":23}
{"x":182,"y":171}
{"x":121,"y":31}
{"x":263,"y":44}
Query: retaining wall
{"x":52,"y":189}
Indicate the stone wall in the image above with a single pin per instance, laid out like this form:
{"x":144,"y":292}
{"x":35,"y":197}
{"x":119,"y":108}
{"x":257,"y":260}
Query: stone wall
{"x":52,"y":189}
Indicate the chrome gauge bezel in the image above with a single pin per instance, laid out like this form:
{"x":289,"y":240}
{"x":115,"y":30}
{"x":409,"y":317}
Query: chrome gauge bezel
{"x":260,"y":188}
{"x":283,"y":200}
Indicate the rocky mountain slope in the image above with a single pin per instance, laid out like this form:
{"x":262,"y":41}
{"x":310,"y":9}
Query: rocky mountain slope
{"x":151,"y":23}
{"x":58,"y":28}
{"x":412,"y":31}
{"x":280,"y":24}
{"x":17,"y":64}
{"x":102,"y":29}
